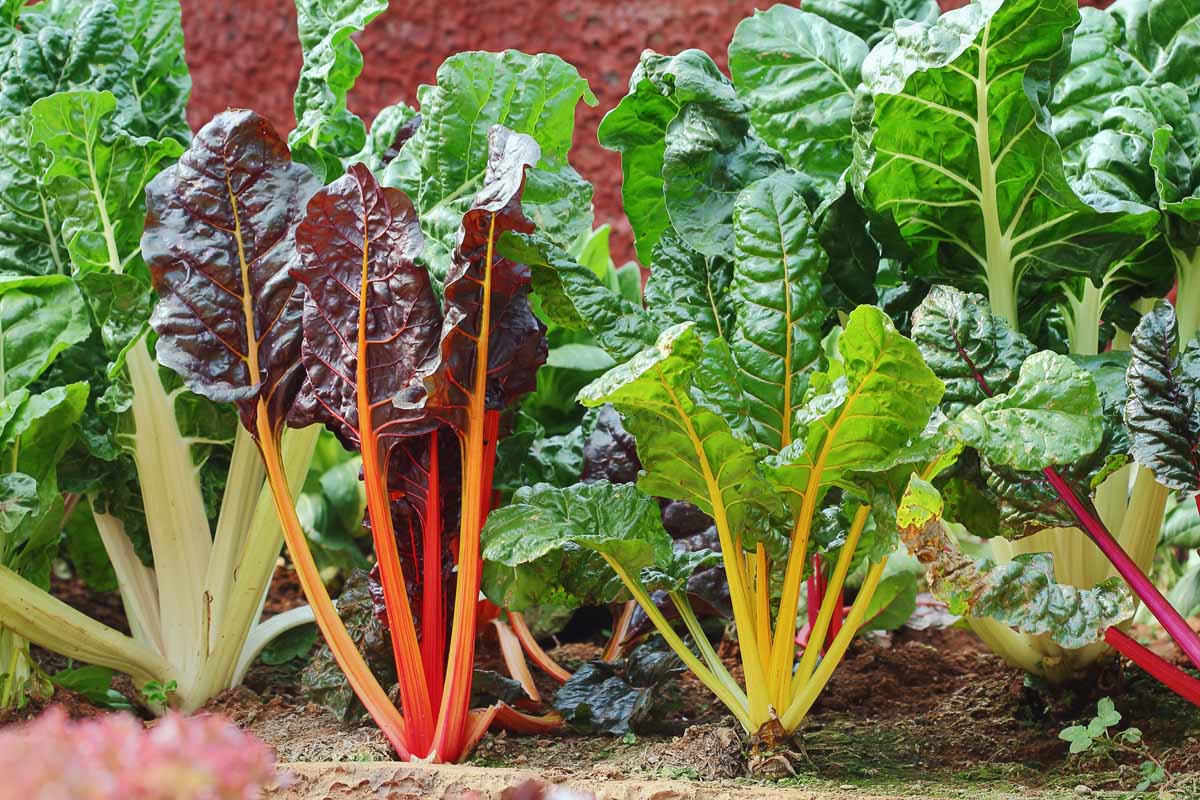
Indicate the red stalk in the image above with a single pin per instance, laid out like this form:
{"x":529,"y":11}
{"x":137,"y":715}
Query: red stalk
{"x":535,"y":651}
{"x":816,"y":591}
{"x":1142,"y":586}
{"x":433,"y":604}
{"x":1171,"y":620}
{"x":478,"y":443}
{"x":1165,"y":672}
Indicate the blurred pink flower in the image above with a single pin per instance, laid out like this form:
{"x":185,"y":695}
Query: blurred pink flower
{"x":115,"y":757}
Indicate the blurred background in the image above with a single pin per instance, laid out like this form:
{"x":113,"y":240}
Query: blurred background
{"x":244,"y":53}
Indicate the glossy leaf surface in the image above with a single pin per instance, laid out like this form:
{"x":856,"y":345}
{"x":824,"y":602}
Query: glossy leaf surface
{"x":371,"y":321}
{"x":445,"y":163}
{"x":220,"y":241}
{"x":1163,"y":410}
{"x":326,"y":131}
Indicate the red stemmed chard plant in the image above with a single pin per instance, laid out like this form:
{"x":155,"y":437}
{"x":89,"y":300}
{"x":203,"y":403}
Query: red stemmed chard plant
{"x":306,"y":305}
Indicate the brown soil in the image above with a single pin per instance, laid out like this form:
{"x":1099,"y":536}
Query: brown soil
{"x":926,"y":709}
{"x":101,"y":606}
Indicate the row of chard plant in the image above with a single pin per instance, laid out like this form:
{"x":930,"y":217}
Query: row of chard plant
{"x":808,"y":367}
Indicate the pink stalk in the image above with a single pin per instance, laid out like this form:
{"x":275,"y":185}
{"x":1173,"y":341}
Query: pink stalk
{"x":1143,"y":587}
{"x":1167,"y":673}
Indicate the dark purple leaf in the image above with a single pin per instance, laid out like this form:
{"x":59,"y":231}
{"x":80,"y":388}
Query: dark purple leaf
{"x":220,"y":241}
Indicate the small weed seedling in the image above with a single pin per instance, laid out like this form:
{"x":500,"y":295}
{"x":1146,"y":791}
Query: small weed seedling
{"x":1099,"y":742}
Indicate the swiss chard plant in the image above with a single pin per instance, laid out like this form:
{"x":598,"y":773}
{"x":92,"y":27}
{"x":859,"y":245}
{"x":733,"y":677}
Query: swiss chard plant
{"x":740,"y":411}
{"x":147,"y":481}
{"x":988,"y":144}
{"x":352,"y":281}
{"x":1030,"y":427}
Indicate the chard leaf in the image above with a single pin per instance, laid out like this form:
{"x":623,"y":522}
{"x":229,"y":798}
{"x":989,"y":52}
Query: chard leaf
{"x":219,"y":241}
{"x":573,"y":297}
{"x":617,"y":521}
{"x":40,"y":317}
{"x":18,"y":499}
{"x":514,"y":344}
{"x":637,"y":129}
{"x":547,"y":545}
{"x":602,"y":697}
{"x":1021,"y":593}
{"x":953,"y":145}
{"x":1051,"y":415}
{"x":371,"y":321}
{"x":84,"y":51}
{"x":687,"y":286}
{"x":871,"y":20}
{"x":96,"y":176}
{"x":1163,"y":410}
{"x":688,"y":450}
{"x":326,"y":131}
{"x":972,"y":350}
{"x":30,"y":242}
{"x":776,"y":340}
{"x":868,"y":405}
{"x":394,"y":125}
{"x":710,"y":153}
{"x":797,"y":73}
{"x":159,"y":73}
{"x":40,"y":429}
{"x":445,"y":163}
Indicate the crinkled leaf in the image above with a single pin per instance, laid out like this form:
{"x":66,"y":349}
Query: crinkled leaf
{"x":445,"y":163}
{"x":972,"y":350}
{"x":18,"y":499}
{"x":371,"y":322}
{"x":797,"y":73}
{"x":326,"y":131}
{"x":573,"y":297}
{"x":871,"y":20}
{"x":394,"y":125}
{"x":220,"y":240}
{"x":96,"y":176}
{"x":637,"y":129}
{"x":605,"y":698}
{"x":711,"y":154}
{"x":548,"y":544}
{"x":40,"y":317}
{"x":1021,"y":593}
{"x":514,"y":345}
{"x":1051,"y":415}
{"x":681,"y":439}
{"x":869,"y":404}
{"x":687,"y":286}
{"x":776,"y":339}
{"x":953,"y":145}
{"x":1163,"y":410}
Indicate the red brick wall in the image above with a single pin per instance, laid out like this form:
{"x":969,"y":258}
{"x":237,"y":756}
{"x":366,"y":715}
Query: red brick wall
{"x":244,"y":53}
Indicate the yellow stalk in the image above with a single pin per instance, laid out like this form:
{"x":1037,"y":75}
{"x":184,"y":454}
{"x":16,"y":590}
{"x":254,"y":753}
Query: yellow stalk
{"x":698,"y":668}
{"x":739,"y":592}
{"x":809,"y":691}
{"x":830,"y":604}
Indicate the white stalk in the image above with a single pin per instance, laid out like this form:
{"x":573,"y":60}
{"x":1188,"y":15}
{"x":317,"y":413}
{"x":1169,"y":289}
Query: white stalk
{"x":266,"y":632}
{"x":1187,"y":298}
{"x":38,"y":617}
{"x":139,"y":592}
{"x":175,"y":516}
{"x":243,"y":489}
{"x":253,"y":562}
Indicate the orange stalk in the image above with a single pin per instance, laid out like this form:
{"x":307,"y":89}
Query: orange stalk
{"x":414,"y":693}
{"x":539,"y":656}
{"x":345,"y":652}
{"x":514,"y":659}
{"x":450,"y":738}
